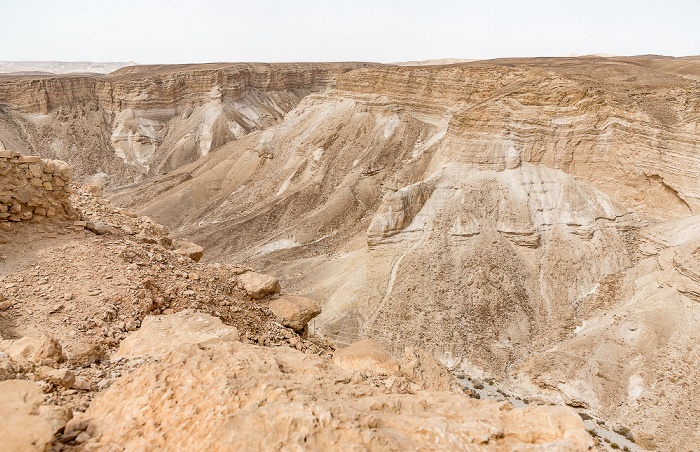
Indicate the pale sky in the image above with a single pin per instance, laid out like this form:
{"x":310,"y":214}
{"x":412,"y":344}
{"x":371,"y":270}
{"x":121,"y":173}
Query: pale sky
{"x":180,"y":31}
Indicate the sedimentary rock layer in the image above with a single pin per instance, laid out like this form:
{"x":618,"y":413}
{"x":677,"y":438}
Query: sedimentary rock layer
{"x":149,"y":119}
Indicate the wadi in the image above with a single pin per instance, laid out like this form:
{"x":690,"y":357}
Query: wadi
{"x":446,"y":255}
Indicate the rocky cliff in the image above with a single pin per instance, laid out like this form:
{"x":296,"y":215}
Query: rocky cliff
{"x":471,"y":210}
{"x":149,"y":119}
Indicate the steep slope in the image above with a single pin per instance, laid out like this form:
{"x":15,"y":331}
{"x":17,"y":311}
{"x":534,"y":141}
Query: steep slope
{"x":470,"y":210}
{"x":635,"y":357}
{"x":150,"y":119}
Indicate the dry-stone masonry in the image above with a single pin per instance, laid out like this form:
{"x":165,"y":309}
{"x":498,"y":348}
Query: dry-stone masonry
{"x":32,"y":189}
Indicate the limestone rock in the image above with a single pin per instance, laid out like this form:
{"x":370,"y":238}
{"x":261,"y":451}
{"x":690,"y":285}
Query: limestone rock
{"x":32,"y":349}
{"x":420,"y":367}
{"x":87,"y":354}
{"x":7,"y":369}
{"x":98,"y":227}
{"x":235,"y":396}
{"x":159,"y":335}
{"x":258,"y":285}
{"x":60,"y":377}
{"x":22,"y":428}
{"x":190,"y":249}
{"x":294,"y":312}
{"x":57,"y":416}
{"x":366,"y":356}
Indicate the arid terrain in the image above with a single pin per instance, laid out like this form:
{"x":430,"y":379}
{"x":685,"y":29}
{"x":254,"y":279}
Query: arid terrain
{"x":487,"y":255}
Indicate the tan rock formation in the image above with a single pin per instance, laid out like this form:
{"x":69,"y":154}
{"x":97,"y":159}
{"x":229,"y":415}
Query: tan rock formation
{"x":56,"y":416}
{"x":189,"y":249}
{"x":366,"y":356}
{"x":161,"y":334}
{"x":232,"y":396}
{"x":473,"y":211}
{"x":258,"y":285}
{"x":34,"y":350}
{"x":421,"y":368}
{"x":22,"y":428}
{"x":151,"y":118}
{"x":294,"y":312}
{"x":635,"y":356}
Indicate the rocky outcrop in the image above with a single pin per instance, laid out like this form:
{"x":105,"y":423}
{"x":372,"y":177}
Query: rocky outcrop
{"x":366,"y":356}
{"x":161,"y":334}
{"x":232,"y":396}
{"x":33,"y":350}
{"x":22,"y":428}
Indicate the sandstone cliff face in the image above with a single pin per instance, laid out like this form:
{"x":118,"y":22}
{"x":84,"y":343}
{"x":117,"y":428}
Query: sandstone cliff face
{"x":150,"y":119}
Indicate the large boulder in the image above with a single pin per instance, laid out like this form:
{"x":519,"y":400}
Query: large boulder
{"x":161,"y":334}
{"x":22,"y":429}
{"x":366,"y":356}
{"x":258,"y":285}
{"x":34,"y":350}
{"x":294,"y":312}
{"x":235,"y":396}
{"x":421,"y":368}
{"x":189,"y":249}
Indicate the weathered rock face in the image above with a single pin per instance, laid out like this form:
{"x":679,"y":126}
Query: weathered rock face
{"x":161,"y":334}
{"x":635,"y":356}
{"x":149,"y":119}
{"x":366,"y":356}
{"x":22,"y":428}
{"x":233,"y":396}
{"x":294,"y":312}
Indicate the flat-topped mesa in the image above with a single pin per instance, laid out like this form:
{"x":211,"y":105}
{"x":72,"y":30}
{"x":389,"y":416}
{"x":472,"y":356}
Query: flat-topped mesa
{"x":613,"y":123}
{"x":165,"y":87}
{"x":32,"y":189}
{"x":147,"y":120}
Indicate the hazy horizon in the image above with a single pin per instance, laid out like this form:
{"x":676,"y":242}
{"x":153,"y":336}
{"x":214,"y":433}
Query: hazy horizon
{"x":179,"y":31}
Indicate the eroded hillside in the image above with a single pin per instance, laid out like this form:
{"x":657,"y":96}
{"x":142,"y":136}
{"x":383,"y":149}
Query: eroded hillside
{"x":150,"y":119}
{"x":531,"y":221}
{"x":474,"y":210}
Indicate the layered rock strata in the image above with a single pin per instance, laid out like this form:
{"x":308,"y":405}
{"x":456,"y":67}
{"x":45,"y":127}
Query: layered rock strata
{"x":150,"y":119}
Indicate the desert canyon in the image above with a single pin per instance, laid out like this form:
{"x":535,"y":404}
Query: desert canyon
{"x":485,"y":255}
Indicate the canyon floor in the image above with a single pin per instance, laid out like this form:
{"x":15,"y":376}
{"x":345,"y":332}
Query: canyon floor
{"x":486,"y":255}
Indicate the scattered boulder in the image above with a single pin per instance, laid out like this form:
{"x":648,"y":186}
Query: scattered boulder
{"x":22,"y":428}
{"x":366,"y":356}
{"x":57,"y":416}
{"x":87,"y":354}
{"x":59,"y":377}
{"x":258,"y":285}
{"x":294,"y":312}
{"x":98,"y":227}
{"x":33,"y":349}
{"x":189,"y":249}
{"x":161,"y":334}
{"x":420,"y":367}
{"x":82,"y":384}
